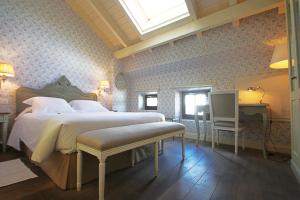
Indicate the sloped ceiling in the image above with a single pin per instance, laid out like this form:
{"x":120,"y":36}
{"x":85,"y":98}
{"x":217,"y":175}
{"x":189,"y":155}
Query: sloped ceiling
{"x":111,"y":23}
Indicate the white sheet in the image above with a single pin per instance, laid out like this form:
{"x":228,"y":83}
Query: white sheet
{"x":45,"y":133}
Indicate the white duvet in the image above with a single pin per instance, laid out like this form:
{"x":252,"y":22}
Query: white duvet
{"x":45,"y":133}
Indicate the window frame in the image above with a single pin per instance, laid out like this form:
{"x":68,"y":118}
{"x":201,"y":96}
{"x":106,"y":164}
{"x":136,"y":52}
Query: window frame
{"x":196,"y":91}
{"x":146,"y":96}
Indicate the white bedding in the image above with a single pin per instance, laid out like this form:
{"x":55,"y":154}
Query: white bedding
{"x":45,"y":133}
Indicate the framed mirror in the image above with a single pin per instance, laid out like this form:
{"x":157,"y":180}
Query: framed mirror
{"x":120,"y":81}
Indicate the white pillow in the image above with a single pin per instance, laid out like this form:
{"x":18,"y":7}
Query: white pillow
{"x":26,"y":110}
{"x":28,"y":101}
{"x":87,"y":106}
{"x":49,"y":105}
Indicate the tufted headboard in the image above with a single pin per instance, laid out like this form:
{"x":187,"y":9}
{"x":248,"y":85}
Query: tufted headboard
{"x":62,"y":88}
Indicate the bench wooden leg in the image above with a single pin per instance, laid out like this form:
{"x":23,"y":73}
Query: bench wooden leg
{"x":218,"y":139}
{"x":212,"y":139}
{"x":236,"y":142}
{"x":132,"y":157}
{"x":79,"y":169}
{"x":101,"y":179}
{"x":182,"y":146}
{"x":243,"y":140}
{"x":156,"y":159}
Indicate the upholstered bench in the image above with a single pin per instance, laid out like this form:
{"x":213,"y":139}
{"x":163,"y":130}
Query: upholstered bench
{"x":107,"y":142}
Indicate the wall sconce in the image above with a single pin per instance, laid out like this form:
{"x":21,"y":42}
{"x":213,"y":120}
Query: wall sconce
{"x":280,"y":57}
{"x":6,"y":70}
{"x":104,"y":87}
{"x":250,"y":89}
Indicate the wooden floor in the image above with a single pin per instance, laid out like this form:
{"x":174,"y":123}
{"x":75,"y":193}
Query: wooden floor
{"x":203,"y":175}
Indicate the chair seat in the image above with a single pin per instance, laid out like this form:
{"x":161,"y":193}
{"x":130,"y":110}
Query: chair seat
{"x":222,"y":125}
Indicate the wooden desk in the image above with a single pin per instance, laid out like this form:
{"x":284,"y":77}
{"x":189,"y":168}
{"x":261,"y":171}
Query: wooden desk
{"x":248,"y":109}
{"x":264,"y":111}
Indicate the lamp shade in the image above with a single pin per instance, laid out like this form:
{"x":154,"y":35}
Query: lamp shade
{"x":280,"y":57}
{"x":104,"y":84}
{"x":6,"y":70}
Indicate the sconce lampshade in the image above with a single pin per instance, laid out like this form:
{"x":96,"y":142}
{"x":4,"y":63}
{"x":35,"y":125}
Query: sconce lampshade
{"x":280,"y":57}
{"x":6,"y":70}
{"x":104,"y":84}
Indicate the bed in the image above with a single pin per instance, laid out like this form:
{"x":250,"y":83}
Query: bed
{"x":49,"y":139}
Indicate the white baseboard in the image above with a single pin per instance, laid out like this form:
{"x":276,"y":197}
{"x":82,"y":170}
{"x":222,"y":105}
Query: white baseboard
{"x":295,"y":170}
{"x":249,"y":144}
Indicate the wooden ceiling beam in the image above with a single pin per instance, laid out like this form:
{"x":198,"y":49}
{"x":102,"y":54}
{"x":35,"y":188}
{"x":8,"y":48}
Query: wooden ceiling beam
{"x":172,"y":43}
{"x":235,"y":23}
{"x":109,"y":22}
{"x":232,"y":2}
{"x":199,"y":35}
{"x":192,"y":7}
{"x":224,"y":16}
{"x":281,"y":10}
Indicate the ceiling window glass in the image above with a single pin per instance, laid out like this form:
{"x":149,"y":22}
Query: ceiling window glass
{"x":148,"y":15}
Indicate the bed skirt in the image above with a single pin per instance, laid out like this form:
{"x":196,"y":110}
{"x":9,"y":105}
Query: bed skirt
{"x":61,"y":168}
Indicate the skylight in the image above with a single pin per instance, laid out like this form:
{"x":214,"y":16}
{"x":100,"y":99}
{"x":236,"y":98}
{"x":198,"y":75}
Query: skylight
{"x":148,"y":15}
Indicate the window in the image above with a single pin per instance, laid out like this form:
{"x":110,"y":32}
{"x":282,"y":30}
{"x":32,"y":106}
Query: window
{"x":151,"y":102}
{"x":148,"y":15}
{"x":190,"y":99}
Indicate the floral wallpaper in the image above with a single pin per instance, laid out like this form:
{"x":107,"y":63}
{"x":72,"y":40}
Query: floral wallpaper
{"x":45,"y":39}
{"x":218,"y":58}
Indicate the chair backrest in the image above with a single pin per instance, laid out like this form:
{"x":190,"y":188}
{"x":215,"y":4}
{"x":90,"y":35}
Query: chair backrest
{"x":224,"y":106}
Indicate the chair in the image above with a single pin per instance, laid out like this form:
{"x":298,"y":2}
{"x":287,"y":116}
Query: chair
{"x":205,"y":110}
{"x":224,"y":114}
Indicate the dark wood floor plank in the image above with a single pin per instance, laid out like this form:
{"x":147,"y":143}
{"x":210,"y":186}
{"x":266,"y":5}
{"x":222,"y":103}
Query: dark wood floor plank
{"x":204,"y":174}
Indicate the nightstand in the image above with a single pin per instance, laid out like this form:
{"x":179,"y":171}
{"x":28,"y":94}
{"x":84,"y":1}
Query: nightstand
{"x":4,"y":120}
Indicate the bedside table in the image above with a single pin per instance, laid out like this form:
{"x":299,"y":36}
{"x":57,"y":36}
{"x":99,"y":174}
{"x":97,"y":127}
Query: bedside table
{"x":4,"y":120}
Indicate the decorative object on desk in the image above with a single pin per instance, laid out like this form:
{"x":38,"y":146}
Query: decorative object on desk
{"x":250,"y":89}
{"x":6,"y":70}
{"x":280,"y":57}
{"x":120,"y":81}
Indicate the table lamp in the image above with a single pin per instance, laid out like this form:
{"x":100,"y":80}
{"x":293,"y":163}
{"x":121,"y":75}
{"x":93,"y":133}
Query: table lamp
{"x":6,"y":70}
{"x":280,"y":57}
{"x":250,"y":89}
{"x":104,"y":86}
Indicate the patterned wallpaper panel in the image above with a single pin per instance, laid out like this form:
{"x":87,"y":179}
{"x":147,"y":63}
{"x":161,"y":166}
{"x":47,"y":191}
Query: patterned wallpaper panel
{"x":44,"y":39}
{"x":219,"y":58}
